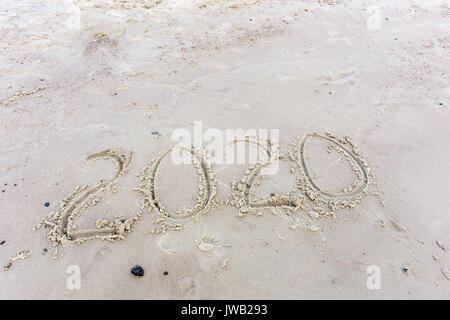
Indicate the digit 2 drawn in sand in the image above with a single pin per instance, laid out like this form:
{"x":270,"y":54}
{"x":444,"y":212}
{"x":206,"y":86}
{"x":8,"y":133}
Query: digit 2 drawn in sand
{"x":242,"y":188}
{"x":60,"y":224}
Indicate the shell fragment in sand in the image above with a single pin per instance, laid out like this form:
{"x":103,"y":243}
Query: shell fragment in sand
{"x":441,"y":245}
{"x":21,"y":255}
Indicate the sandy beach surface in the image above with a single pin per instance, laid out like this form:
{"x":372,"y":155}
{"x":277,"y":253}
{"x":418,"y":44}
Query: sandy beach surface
{"x":79,"y":77}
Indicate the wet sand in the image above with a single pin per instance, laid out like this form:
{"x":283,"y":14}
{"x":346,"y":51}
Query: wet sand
{"x":79,"y":77}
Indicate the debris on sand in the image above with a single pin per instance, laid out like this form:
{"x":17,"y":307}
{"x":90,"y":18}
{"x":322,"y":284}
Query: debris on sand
{"x":441,"y":245}
{"x":137,"y":271}
{"x":21,"y":255}
{"x":7,"y":266}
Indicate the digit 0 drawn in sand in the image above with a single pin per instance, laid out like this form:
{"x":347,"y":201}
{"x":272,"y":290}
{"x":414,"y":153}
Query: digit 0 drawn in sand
{"x":60,"y":224}
{"x":351,"y":195}
{"x":207,"y":186}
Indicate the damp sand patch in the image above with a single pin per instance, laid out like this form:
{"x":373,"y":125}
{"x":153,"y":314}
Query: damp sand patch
{"x":301,"y":208}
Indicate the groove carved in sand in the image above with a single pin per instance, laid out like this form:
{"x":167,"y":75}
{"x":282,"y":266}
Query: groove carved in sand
{"x":351,"y":195}
{"x":207,"y":187}
{"x":312,"y":199}
{"x":61,"y":228}
{"x":60,"y":224}
{"x":242,"y":188}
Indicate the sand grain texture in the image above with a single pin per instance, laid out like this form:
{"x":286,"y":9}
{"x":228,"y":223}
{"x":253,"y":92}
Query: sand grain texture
{"x":79,"y":77}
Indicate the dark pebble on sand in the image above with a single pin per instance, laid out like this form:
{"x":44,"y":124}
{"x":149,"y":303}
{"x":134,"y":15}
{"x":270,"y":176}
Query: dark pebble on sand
{"x":137,"y":271}
{"x":47,"y":204}
{"x":166,"y":273}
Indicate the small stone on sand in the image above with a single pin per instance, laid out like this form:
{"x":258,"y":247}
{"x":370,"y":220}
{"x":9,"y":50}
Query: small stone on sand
{"x":137,"y":271}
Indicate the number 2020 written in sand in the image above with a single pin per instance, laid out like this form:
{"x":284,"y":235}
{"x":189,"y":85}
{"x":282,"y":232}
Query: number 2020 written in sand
{"x":61,"y":228}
